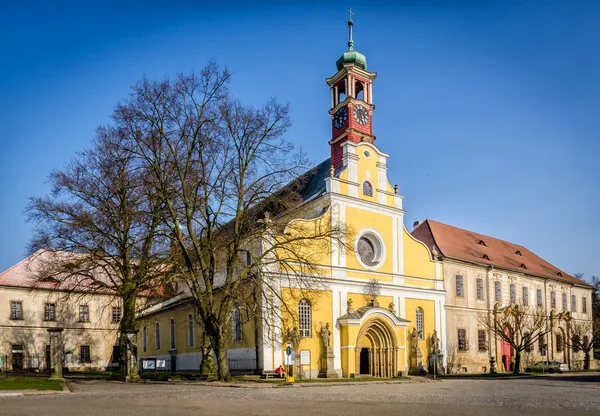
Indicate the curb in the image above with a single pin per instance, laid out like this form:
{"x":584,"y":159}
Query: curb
{"x":251,"y":385}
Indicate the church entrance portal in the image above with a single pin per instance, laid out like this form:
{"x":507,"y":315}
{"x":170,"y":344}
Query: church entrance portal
{"x":365,"y":353}
{"x":376,"y":349}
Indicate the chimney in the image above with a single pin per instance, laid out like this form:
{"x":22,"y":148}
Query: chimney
{"x":416,"y":223}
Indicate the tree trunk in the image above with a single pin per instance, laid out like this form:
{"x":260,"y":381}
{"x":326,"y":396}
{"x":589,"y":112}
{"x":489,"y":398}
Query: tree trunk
{"x":517,"y":364}
{"x":220,"y":347}
{"x":127,"y":325}
{"x":218,"y":339}
{"x":586,"y":360}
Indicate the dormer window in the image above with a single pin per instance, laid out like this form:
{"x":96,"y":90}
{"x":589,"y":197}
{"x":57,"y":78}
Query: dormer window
{"x":486,"y":257}
{"x":367,"y":188}
{"x":481,"y":242}
{"x":518,"y":253}
{"x":559,"y":274}
{"x":523,"y":266}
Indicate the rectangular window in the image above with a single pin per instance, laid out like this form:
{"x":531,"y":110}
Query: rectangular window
{"x":513,"y":293}
{"x":498,"y":291}
{"x":460,"y":291}
{"x":564,"y":301}
{"x":480,"y":289}
{"x":49,"y":312}
{"x":553,"y":300}
{"x":116,"y":314}
{"x":16,"y":310}
{"x":584,"y":304}
{"x":481,"y":340}
{"x":462,"y":339}
{"x":84,"y":354}
{"x":525,"y":296}
{"x":540,"y":302}
{"x":573,"y":303}
{"x":84,"y":313}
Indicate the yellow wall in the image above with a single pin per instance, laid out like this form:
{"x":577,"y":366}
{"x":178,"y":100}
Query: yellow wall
{"x":358,"y":219}
{"x":180,"y":316}
{"x":428,"y":307}
{"x":298,"y":242}
{"x":417,"y":259}
{"x":321,"y":313}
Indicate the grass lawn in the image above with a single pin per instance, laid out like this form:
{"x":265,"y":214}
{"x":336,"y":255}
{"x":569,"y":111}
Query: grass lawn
{"x":30,"y":384}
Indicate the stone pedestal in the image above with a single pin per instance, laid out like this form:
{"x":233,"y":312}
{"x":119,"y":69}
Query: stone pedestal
{"x":56,"y":353}
{"x":416,"y":367}
{"x":439,"y":363}
{"x":132,"y":364}
{"x":327,"y":366}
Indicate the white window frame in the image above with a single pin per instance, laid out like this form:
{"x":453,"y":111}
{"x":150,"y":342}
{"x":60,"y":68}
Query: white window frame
{"x":305,"y":318}
{"x":419,"y":322}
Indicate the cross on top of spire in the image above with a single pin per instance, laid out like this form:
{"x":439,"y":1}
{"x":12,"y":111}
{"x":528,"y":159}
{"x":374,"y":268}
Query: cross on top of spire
{"x":351,"y":13}
{"x":350,"y":23}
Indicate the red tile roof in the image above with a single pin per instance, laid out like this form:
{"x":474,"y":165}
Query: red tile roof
{"x":470,"y":246}
{"x":29,"y":273}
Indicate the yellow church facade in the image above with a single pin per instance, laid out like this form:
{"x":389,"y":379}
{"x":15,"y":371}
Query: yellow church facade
{"x":336,"y":329}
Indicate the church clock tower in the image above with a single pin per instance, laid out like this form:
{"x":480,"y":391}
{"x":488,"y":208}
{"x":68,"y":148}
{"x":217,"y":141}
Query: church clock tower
{"x":351,"y":100}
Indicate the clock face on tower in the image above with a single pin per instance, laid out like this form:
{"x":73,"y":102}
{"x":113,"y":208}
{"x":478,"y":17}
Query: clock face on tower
{"x":361,"y":115}
{"x":340,"y":117}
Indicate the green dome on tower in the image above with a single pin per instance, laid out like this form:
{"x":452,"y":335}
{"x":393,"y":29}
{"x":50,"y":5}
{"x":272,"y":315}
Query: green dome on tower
{"x":351,"y":56}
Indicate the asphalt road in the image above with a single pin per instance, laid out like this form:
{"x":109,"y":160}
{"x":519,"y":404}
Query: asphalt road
{"x":561,"y":395}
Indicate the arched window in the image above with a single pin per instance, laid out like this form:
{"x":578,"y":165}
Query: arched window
{"x":172,"y":337}
{"x":190,"y":330}
{"x":527,"y":342}
{"x":145,"y":339}
{"x":367,"y":188}
{"x":359,"y":91}
{"x":236,"y":323}
{"x":304,"y":318}
{"x":419,"y":321}
{"x":559,"y":343}
{"x":157,"y":336}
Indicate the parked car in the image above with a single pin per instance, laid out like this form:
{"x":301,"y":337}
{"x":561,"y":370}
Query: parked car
{"x":547,"y":367}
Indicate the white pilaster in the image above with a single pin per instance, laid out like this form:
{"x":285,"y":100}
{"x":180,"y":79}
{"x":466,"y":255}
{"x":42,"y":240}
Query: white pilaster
{"x":337,"y":350}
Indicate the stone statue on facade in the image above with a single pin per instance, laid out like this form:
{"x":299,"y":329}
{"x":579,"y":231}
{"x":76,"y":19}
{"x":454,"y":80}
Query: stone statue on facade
{"x":435,"y":343}
{"x":293,"y":336}
{"x":415,"y":341}
{"x":325,"y":333}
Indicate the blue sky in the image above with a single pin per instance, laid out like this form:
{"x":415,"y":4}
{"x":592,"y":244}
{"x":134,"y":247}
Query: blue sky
{"x":489,"y":110}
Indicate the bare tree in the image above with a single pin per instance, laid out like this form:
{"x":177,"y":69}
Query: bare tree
{"x":581,"y":338}
{"x":229,"y":181}
{"x":518,"y":325}
{"x":99,"y":230}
